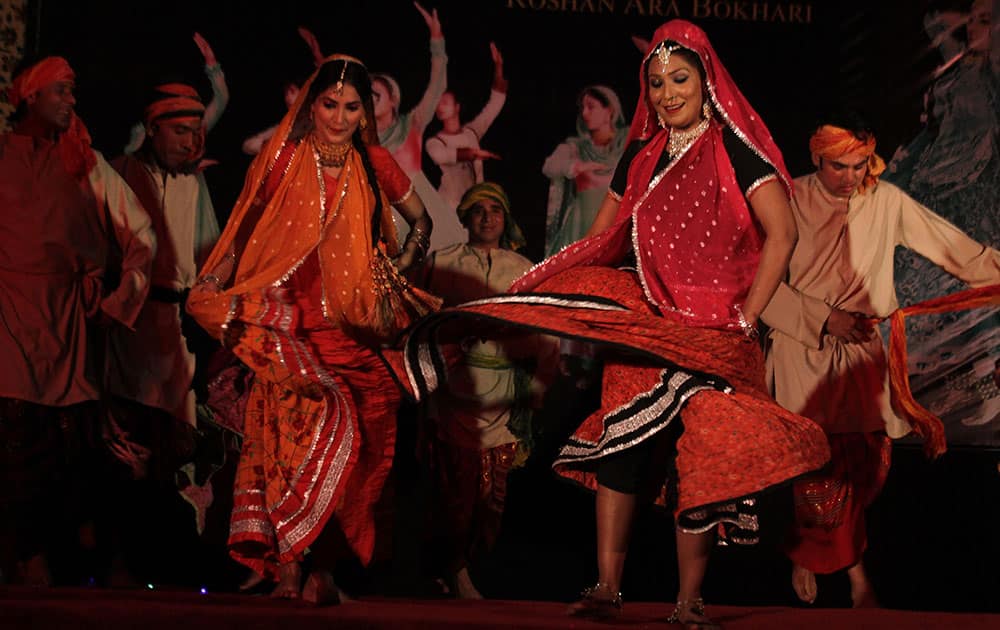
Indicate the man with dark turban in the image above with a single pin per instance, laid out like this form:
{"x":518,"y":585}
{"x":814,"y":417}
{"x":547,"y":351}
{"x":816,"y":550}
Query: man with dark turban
{"x":826,"y":358}
{"x":67,"y":216}
{"x":476,"y":424}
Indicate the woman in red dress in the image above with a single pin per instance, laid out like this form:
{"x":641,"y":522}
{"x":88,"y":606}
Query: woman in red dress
{"x":701,"y":200}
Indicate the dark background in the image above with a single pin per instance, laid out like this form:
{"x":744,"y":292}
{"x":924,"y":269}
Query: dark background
{"x":866,"y":54}
{"x":933,"y":531}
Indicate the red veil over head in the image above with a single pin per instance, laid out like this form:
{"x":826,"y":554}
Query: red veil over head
{"x":691,"y":229}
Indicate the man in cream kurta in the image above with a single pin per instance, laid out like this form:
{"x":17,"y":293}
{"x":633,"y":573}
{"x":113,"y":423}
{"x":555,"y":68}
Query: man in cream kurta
{"x":471,"y":442}
{"x":826,"y":359}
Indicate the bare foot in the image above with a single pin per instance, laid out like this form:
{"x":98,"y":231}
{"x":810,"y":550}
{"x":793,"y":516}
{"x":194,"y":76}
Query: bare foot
{"x":862,"y":593}
{"x":35,"y":571}
{"x":804,"y":583}
{"x":289,"y":581}
{"x":464,"y":588}
{"x":320,"y":590}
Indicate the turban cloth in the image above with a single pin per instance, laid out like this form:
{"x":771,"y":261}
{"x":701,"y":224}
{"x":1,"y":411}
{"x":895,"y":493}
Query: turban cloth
{"x":173,"y":101}
{"x":512,"y":239}
{"x":832,"y":142}
{"x":73,"y":143}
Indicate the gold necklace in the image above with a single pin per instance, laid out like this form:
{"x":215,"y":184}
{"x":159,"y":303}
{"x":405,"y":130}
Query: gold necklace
{"x":330,"y":154}
{"x":681,"y":140}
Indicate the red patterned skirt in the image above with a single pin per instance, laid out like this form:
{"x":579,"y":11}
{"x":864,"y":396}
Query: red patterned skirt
{"x":319,"y":431}
{"x":736,"y":441}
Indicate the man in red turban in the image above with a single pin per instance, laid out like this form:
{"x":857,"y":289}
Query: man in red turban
{"x":75,"y":255}
{"x":150,"y":368}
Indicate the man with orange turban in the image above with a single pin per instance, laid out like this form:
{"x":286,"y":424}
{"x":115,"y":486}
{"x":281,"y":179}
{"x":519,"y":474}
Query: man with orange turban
{"x":826,"y":359}
{"x":75,"y":255}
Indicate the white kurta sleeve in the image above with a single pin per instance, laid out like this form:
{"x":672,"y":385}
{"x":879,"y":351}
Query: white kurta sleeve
{"x":133,"y":231}
{"x":560,"y":164}
{"x":481,"y":123}
{"x":945,"y":245}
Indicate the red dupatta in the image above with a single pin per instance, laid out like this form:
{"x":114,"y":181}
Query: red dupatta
{"x":703,"y":280}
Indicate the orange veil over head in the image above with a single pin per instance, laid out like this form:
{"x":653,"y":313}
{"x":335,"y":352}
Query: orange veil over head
{"x":295,"y":214}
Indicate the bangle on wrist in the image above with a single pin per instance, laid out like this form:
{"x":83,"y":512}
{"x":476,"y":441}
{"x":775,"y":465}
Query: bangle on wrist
{"x":750,"y":330}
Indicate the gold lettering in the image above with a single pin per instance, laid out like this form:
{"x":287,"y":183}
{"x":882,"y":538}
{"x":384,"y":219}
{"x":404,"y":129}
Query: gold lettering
{"x":635,"y":5}
{"x":739,"y":10}
{"x":725,"y":13}
{"x":700,"y":9}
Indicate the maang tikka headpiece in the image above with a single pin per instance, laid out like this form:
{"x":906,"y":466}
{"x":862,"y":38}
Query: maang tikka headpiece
{"x":663,"y":53}
{"x":339,"y":87}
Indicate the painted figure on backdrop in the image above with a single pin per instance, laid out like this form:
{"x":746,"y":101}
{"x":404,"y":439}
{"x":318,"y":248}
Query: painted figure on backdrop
{"x":76,"y":249}
{"x":826,"y":359}
{"x":215,"y":107}
{"x":953,"y":167}
{"x":474,"y":423}
{"x":301,"y":287}
{"x":403,"y":134}
{"x":700,"y":198}
{"x":580,"y":169}
{"x":455,"y":149}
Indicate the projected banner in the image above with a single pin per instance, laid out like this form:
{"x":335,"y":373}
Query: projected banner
{"x":952,"y":166}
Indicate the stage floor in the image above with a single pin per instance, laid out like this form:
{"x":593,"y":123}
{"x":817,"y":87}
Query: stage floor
{"x":153,"y":610}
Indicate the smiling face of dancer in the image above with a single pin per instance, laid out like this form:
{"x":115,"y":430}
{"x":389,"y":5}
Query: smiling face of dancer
{"x":675,"y":90}
{"x":336,"y":114}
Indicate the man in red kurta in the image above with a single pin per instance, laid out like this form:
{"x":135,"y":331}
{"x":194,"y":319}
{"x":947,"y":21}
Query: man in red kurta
{"x":75,"y":255}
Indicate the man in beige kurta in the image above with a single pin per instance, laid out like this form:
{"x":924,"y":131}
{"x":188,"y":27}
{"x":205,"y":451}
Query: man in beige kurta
{"x":67,"y":216}
{"x":826,"y":359}
{"x":471,"y":442}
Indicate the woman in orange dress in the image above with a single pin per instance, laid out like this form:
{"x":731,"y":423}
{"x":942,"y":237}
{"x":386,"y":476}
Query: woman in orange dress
{"x":304,"y":288}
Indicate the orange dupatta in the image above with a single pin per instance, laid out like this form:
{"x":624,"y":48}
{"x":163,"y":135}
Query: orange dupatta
{"x":924,"y":423}
{"x":293,"y":222}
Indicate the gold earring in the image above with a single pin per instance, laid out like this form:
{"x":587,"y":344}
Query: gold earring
{"x":663,"y":123}
{"x":363,"y":124}
{"x":706,"y":110}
